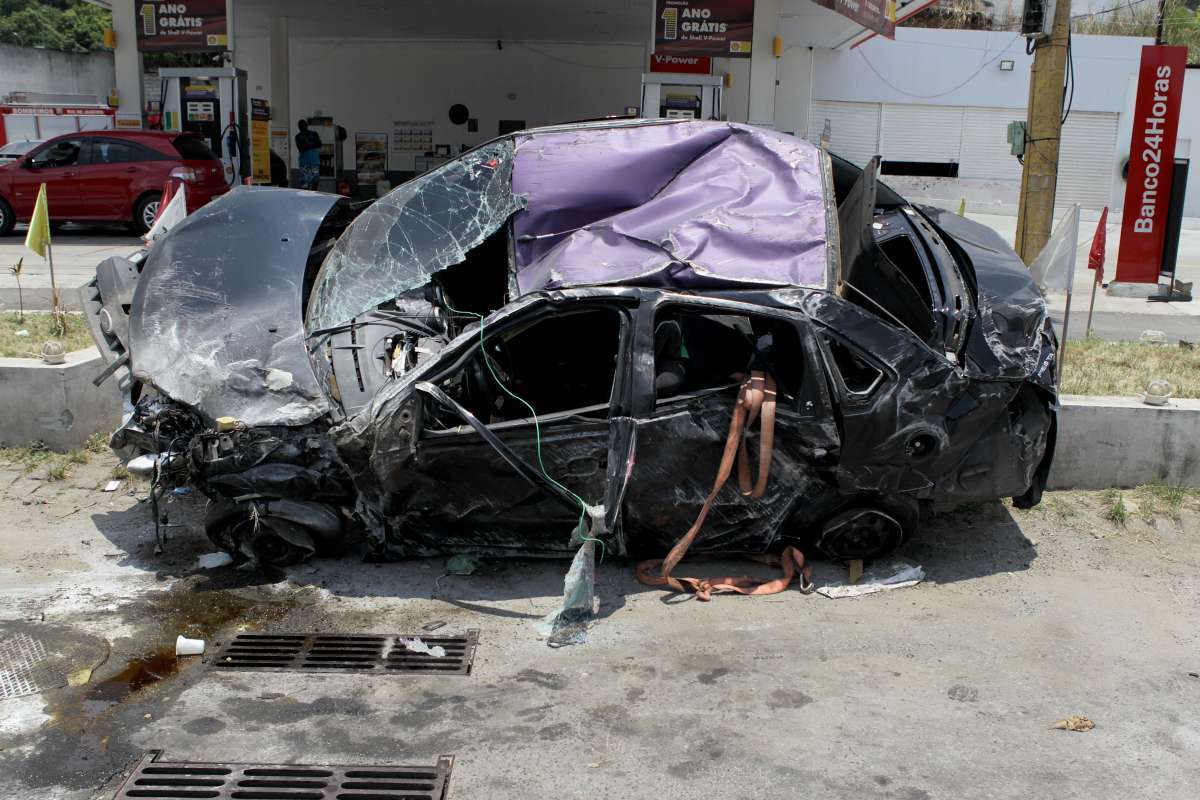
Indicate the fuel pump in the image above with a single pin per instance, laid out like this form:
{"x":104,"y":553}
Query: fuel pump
{"x":675,"y":95}
{"x":211,"y":103}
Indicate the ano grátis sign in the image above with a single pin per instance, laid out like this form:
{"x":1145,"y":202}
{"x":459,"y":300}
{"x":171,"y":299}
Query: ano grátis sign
{"x":189,"y":26}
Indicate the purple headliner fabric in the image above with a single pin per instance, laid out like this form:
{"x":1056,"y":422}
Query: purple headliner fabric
{"x":688,"y":204}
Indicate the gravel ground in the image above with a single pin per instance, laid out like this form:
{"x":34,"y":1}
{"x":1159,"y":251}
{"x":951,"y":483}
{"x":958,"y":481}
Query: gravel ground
{"x":945,"y":690}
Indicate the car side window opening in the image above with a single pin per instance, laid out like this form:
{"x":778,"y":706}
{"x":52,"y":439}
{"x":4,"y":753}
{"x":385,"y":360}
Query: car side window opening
{"x":902,"y":252}
{"x":697,"y":351}
{"x":859,"y":376}
{"x":561,"y":362}
{"x":193,"y":148}
{"x":59,"y":154}
{"x":110,"y":152}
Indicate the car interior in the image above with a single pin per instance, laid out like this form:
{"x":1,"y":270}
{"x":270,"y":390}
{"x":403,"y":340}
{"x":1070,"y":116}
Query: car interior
{"x":560,"y":362}
{"x":697,"y":351}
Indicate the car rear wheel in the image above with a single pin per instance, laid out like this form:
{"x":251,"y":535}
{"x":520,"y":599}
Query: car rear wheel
{"x":145,"y":212}
{"x":7,"y":218}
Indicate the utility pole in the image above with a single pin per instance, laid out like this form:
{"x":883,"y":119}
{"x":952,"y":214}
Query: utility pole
{"x":1039,"y":179}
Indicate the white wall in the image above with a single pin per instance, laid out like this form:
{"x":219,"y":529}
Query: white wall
{"x":1187,"y":144}
{"x":962,"y":68}
{"x":1189,"y":137}
{"x":31,"y":69}
{"x":366,"y":84}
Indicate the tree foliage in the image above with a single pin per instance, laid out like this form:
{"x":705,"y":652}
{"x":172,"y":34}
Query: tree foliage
{"x":1181,"y":19}
{"x":71,"y":25}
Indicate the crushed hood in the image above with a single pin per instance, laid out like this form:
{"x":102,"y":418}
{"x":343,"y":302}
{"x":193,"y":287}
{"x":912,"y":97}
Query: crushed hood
{"x":216,"y":321}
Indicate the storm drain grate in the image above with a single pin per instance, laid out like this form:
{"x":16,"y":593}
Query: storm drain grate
{"x":24,"y":667}
{"x":176,"y":780}
{"x":377,"y":654}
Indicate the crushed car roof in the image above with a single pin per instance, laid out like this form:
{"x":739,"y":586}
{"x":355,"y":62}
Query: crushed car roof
{"x":601,"y":204}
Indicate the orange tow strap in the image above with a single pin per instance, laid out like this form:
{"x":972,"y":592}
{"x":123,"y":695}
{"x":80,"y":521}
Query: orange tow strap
{"x":755,"y":402}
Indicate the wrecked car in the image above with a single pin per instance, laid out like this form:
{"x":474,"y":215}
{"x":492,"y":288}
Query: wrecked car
{"x":551,"y":329}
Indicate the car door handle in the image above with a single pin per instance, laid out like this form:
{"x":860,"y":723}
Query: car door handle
{"x":68,"y":174}
{"x":131,"y":169}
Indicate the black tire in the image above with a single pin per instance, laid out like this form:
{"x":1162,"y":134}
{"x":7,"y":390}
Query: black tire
{"x":867,"y":527}
{"x":7,"y":218}
{"x":144,"y":212}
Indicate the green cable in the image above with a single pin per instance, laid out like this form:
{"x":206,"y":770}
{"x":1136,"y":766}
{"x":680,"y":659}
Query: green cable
{"x":537,"y":428}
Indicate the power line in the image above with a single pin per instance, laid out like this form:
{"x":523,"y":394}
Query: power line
{"x":951,"y":90}
{"x":1108,"y":10}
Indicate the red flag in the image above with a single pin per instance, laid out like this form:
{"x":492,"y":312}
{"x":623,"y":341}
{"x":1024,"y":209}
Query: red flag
{"x":1096,"y":256}
{"x":167,"y":193}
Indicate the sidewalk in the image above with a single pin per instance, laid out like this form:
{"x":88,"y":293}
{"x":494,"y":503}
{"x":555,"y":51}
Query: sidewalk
{"x":77,"y":251}
{"x":1186,"y":269}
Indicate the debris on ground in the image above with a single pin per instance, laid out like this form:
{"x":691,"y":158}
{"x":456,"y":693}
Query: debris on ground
{"x":890,"y":574}
{"x":188,"y":647}
{"x":463,"y":564}
{"x":416,"y":645}
{"x":1075,"y":722}
{"x":213,"y":560}
{"x":567,"y":624}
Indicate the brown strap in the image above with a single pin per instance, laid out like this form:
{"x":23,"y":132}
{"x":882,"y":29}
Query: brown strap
{"x":755,"y":402}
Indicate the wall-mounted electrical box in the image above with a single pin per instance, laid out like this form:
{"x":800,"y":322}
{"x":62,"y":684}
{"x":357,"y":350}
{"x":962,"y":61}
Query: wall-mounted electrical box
{"x":1038,"y":20}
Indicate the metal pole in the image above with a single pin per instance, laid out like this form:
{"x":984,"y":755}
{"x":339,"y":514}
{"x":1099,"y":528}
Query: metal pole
{"x":1091,"y":308}
{"x":53,"y":282}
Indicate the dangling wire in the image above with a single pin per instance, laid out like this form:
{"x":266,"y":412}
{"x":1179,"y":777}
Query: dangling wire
{"x":537,"y":428}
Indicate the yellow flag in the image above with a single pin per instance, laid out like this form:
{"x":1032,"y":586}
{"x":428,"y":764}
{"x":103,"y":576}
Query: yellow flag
{"x":39,"y":225}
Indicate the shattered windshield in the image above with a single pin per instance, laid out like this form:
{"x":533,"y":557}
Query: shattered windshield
{"x":420,"y":228}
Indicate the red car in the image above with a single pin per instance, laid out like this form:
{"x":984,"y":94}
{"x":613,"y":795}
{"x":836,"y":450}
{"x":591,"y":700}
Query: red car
{"x":109,"y":176}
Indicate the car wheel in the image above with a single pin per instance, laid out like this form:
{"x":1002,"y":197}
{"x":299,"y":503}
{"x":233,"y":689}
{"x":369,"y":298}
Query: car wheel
{"x":860,"y":533}
{"x":7,"y":218}
{"x":274,"y":533}
{"x":144,"y":213}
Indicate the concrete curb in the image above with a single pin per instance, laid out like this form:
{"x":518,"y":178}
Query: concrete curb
{"x":1103,"y":442}
{"x":56,"y":404}
{"x":1119,"y":442}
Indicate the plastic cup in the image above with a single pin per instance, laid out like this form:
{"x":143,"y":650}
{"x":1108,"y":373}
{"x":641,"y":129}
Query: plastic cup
{"x":189,"y":647}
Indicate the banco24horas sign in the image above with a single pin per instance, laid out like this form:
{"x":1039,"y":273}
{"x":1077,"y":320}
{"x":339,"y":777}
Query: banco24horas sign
{"x":704,"y":27}
{"x":194,"y":25}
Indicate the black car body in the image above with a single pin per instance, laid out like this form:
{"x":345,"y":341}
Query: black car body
{"x":398,"y":376}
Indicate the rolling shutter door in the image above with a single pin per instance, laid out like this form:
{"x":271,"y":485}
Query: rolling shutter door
{"x":1086,"y":159}
{"x":854,"y":128}
{"x":986,"y":152}
{"x":922,"y":133}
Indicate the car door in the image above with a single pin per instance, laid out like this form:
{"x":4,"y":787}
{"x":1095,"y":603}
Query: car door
{"x":56,"y":164}
{"x":544,"y":393}
{"x":108,"y":178}
{"x":697,"y":351}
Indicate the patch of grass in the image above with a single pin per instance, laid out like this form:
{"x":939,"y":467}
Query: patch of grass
{"x":97,"y":443}
{"x":41,"y":327}
{"x":1154,"y":499}
{"x":1114,"y":507}
{"x":1096,"y":367}
{"x":78,"y":457}
{"x":120,"y":472}
{"x":1059,"y":507}
{"x":28,"y":457}
{"x":58,"y":470}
